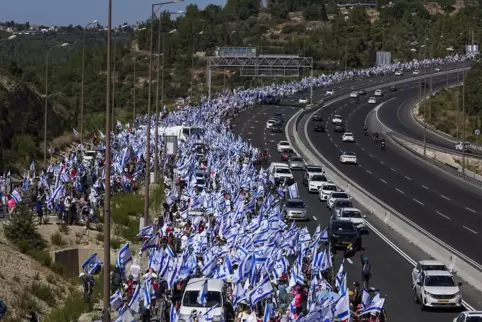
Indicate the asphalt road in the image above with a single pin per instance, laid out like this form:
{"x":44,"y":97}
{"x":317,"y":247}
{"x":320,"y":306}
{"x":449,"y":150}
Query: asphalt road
{"x":447,"y":208}
{"x":391,"y":272}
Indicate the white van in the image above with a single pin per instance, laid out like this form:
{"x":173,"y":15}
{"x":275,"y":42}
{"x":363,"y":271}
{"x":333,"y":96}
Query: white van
{"x":216,"y":297}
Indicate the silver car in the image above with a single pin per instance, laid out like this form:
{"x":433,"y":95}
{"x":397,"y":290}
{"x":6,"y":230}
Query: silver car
{"x":296,"y":163}
{"x":338,"y":205}
{"x":295,"y":209}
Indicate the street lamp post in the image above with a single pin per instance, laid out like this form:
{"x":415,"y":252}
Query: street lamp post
{"x":156,"y":145}
{"x":148,"y":138}
{"x":135,"y":80}
{"x":46,"y":97}
{"x":192,"y":64}
{"x":107,"y":165}
{"x":82,"y":86}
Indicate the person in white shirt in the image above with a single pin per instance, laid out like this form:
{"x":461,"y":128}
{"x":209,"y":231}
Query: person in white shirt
{"x":135,"y":271}
{"x":184,"y":240}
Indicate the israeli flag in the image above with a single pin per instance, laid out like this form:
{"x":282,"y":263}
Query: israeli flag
{"x":365,"y":300}
{"x":376,"y":305}
{"x":123,"y":257}
{"x":280,"y":267}
{"x":16,"y":196}
{"x":146,"y":232}
{"x":91,"y":264}
{"x":75,"y":132}
{"x":172,"y":314}
{"x":293,"y":191}
{"x":32,"y":166}
{"x":203,"y":294}
{"x":116,"y":301}
{"x":260,"y":292}
{"x":136,"y":299}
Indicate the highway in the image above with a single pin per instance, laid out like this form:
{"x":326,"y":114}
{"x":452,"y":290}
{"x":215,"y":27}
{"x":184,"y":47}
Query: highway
{"x":390,"y":270}
{"x":449,"y":209}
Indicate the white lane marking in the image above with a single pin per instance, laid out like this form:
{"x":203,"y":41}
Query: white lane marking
{"x":419,"y":202}
{"x":383,"y":181}
{"x":349,"y":261}
{"x":315,"y":218}
{"x":408,"y":178}
{"x":441,"y":214}
{"x":444,"y":197}
{"x":371,"y":155}
{"x":252,"y":127}
{"x":472,"y":210}
{"x":368,"y":172}
{"x":249,"y":133}
{"x":382,"y":162}
{"x":425,"y":187}
{"x":393,"y":169}
{"x":336,"y":145}
{"x":399,"y":190}
{"x":471,"y":230}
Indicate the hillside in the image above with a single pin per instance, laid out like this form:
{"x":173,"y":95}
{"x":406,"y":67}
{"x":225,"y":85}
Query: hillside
{"x":330,"y":33}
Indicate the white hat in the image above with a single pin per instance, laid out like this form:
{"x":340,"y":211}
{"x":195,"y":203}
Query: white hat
{"x":82,"y":274}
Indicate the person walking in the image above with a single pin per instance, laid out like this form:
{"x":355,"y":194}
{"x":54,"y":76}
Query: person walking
{"x":366,"y":270}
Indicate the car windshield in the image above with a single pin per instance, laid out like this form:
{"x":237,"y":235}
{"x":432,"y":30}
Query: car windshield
{"x":295,"y":204}
{"x":349,"y":154}
{"x":348,"y":134}
{"x":339,"y":195}
{"x":284,"y":143}
{"x":190,"y":299}
{"x":442,"y":280}
{"x":351,"y":214}
{"x":318,"y":178}
{"x":343,"y":204}
{"x":474,"y":319}
{"x":314,"y":170}
{"x":296,"y":159}
{"x":283,"y":170}
{"x":329,"y":188}
{"x":343,"y":226}
{"x":434,"y":268}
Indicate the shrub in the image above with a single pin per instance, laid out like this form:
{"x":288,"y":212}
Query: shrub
{"x":23,"y":232}
{"x":115,"y":243}
{"x":57,"y":239}
{"x":43,"y":292}
{"x":41,"y":256}
{"x":59,"y":268}
{"x":100,"y":237}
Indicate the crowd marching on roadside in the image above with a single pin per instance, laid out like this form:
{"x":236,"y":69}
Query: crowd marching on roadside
{"x":231,"y":227}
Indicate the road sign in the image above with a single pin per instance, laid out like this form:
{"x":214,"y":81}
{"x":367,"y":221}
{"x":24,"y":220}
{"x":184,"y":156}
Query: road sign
{"x":477,"y":132}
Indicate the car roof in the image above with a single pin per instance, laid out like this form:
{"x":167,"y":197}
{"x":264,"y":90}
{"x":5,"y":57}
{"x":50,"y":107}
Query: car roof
{"x":351,"y":209}
{"x":296,"y":157}
{"x":214,"y":284}
{"x":430,"y":262}
{"x":328,"y":183}
{"x":438,"y":273}
{"x":294,"y":200}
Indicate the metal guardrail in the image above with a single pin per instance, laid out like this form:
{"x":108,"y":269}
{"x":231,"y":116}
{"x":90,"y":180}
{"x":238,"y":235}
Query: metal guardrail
{"x":443,"y":166}
{"x":434,"y":147}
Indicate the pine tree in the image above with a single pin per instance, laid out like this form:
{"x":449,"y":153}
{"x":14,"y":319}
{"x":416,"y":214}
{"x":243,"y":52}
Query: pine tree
{"x":23,"y":232}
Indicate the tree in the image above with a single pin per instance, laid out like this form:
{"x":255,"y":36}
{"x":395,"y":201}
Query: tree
{"x":23,"y":232}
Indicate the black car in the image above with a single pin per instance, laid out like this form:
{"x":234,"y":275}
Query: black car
{"x":339,"y":128}
{"x":393,"y":88}
{"x":317,"y":117}
{"x":271,"y":100}
{"x":279,"y":116}
{"x":361,"y":92}
{"x":276,"y":129}
{"x":343,"y":233}
{"x":319,"y":128}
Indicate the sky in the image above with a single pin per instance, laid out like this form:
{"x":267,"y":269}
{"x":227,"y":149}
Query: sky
{"x":65,"y":12}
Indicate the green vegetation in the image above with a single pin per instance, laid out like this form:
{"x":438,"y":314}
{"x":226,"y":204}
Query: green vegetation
{"x":320,"y":29}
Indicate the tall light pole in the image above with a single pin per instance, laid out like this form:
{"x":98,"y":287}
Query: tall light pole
{"x":82,"y":85}
{"x":107,"y":174}
{"x":135,"y":80}
{"x":154,"y":8}
{"x":156,"y":145}
{"x":46,"y":97}
{"x":192,"y":64}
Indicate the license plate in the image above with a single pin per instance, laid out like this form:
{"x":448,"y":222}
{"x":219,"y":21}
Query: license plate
{"x":443,"y":301}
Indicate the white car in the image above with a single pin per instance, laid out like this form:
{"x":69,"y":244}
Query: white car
{"x":416,"y":72}
{"x":271,"y":123}
{"x":437,"y":289}
{"x":348,"y":137}
{"x":283,"y":145}
{"x":398,"y":73}
{"x":330,"y":92}
{"x":427,"y":265}
{"x":315,"y":181}
{"x":348,"y":157}
{"x":354,"y":94}
{"x":378,"y":92}
{"x":372,"y":100}
{"x":354,"y":215}
{"x":336,"y":119}
{"x":326,"y":189}
{"x":463,"y":146}
{"x":336,"y":195}
{"x":303,"y":100}
{"x":216,"y":299}
{"x":469,"y":316}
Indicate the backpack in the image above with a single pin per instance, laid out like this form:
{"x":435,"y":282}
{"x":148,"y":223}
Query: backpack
{"x":3,"y":307}
{"x":116,"y":278}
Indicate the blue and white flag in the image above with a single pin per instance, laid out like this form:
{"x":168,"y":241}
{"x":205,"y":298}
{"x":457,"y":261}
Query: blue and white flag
{"x":293,"y":191}
{"x":92,"y":264}
{"x":116,"y":301}
{"x":260,"y":292}
{"x":203,"y":294}
{"x":172,"y":314}
{"x":16,"y":196}
{"x":75,"y":132}
{"x":123,"y":257}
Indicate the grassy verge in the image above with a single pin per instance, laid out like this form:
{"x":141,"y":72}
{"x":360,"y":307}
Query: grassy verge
{"x":443,"y":112}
